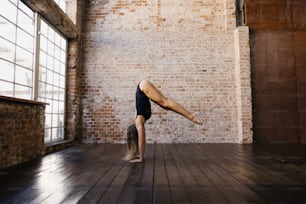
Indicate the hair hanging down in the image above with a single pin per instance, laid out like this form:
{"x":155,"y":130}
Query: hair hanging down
{"x":132,"y":143}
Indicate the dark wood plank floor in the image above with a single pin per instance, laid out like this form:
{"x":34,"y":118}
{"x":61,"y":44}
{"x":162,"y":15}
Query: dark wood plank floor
{"x":172,"y":173}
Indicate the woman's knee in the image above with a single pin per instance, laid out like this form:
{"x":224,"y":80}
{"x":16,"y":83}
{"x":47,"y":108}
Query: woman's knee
{"x":165,"y":103}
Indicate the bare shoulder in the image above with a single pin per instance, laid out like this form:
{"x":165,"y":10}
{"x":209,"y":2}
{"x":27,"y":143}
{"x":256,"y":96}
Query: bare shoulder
{"x":145,"y":84}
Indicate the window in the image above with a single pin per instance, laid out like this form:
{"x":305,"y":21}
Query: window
{"x":51,"y":82}
{"x":33,"y":66}
{"x":17,"y":26}
{"x":61,"y":4}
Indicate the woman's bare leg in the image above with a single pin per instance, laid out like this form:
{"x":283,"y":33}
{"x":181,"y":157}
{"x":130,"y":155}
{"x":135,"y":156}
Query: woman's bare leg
{"x":156,"y":96}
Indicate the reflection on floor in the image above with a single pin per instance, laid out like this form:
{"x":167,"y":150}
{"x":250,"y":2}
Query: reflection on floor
{"x":171,"y":173}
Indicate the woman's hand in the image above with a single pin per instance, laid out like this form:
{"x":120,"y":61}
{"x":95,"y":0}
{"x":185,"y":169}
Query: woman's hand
{"x":136,"y":160}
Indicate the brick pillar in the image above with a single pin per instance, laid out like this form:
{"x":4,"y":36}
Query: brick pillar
{"x":243,"y":84}
{"x":75,"y":11}
{"x":229,"y":14}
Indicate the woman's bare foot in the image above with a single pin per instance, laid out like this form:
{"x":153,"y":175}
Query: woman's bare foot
{"x":196,"y":120}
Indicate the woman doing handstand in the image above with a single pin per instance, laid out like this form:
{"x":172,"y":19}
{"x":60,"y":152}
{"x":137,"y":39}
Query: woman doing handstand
{"x":136,"y":135}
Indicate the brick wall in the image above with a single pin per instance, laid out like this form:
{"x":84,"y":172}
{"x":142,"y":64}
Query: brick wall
{"x":21,"y":132}
{"x":75,"y":10}
{"x":186,"y":48}
{"x":243,"y":85}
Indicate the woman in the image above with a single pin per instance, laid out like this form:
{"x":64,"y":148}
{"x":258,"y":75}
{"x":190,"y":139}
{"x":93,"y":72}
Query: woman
{"x":145,"y":92}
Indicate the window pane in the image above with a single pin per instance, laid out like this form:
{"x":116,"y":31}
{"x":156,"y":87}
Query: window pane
{"x":61,"y":4}
{"x":43,"y":43}
{"x":49,"y":92}
{"x":8,"y":10}
{"x":25,"y":40}
{"x":54,"y":137}
{"x":48,"y":121}
{"x":56,"y":66}
{"x":49,"y":106}
{"x":49,"y":76}
{"x":26,"y":10}
{"x":60,"y":132}
{"x":7,"y":30}
{"x":57,"y":92}
{"x":7,"y":50}
{"x":61,"y":107}
{"x":6,"y":88}
{"x":7,"y":71}
{"x":55,"y":110}
{"x":50,"y":48}
{"x":55,"y":120}
{"x":62,"y":96}
{"x":57,"y":53}
{"x":26,"y":23}
{"x":42,"y":99}
{"x":50,"y":62}
{"x":42,"y":90}
{"x":23,"y":76}
{"x":42,"y":74}
{"x":24,"y":58}
{"x":51,"y":35}
{"x":57,"y":39}
{"x":14,"y":1}
{"x":62,"y":69}
{"x":62,"y":81}
{"x":63,"y":44}
{"x":23,"y":92}
{"x":43,"y":59}
{"x":56,"y":79}
{"x":43,"y":28}
{"x":61,"y":120}
{"x":63,"y":56}
{"x":47,"y":134}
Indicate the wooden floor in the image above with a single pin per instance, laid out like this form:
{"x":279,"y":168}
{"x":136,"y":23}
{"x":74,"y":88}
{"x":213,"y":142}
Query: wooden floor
{"x":172,"y":173}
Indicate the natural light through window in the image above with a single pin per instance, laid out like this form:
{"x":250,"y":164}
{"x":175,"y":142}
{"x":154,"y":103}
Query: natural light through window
{"x":17,"y":28}
{"x":51,"y":83}
{"x":33,"y":62}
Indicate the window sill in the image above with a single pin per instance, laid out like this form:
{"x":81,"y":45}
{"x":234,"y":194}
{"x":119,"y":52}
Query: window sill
{"x":58,"y":145}
{"x":19,"y":100}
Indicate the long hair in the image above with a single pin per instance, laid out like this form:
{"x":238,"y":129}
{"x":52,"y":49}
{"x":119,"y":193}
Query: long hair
{"x":132,"y":143}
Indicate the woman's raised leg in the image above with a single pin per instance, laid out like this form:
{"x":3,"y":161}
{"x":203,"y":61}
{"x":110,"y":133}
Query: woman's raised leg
{"x":156,"y":96}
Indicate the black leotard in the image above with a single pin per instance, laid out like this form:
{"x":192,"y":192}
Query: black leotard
{"x":143,"y":105}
